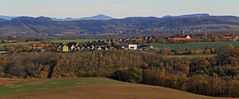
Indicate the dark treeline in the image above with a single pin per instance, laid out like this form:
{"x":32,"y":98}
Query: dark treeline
{"x":212,"y":76}
{"x":82,"y":64}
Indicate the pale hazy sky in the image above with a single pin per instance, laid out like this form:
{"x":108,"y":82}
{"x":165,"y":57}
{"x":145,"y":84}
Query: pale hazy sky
{"x":117,"y":8}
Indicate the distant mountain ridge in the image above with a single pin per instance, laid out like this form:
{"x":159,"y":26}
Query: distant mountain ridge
{"x":1,"y":20}
{"x":26,"y":18}
{"x":101,"y":17}
{"x":98,"y":17}
{"x":127,"y":26}
{"x":188,"y":15}
{"x":105,"y":17}
{"x":6,"y":17}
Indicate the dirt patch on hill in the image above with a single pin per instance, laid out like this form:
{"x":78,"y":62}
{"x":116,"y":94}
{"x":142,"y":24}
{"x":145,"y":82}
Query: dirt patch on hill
{"x":7,"y":81}
{"x":110,"y":91}
{"x":11,"y":82}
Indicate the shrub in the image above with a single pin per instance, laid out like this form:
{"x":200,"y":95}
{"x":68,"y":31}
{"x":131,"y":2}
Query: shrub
{"x":133,"y":75}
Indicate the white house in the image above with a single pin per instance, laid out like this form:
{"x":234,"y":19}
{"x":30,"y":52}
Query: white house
{"x":3,"y":52}
{"x":72,"y":47}
{"x":236,"y":38}
{"x":132,"y":47}
{"x":188,"y":37}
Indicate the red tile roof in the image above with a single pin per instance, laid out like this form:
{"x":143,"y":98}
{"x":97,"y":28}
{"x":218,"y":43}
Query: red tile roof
{"x":180,"y":38}
{"x":228,"y":37}
{"x":38,"y":46}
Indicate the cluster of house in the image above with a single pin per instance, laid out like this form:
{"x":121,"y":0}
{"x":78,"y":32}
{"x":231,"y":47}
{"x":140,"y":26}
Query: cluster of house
{"x":72,"y":46}
{"x":111,"y":44}
{"x":107,"y":44}
{"x":127,"y":40}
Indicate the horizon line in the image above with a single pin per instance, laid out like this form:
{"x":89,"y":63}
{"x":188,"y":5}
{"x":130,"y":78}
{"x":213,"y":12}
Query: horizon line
{"x":35,"y":16}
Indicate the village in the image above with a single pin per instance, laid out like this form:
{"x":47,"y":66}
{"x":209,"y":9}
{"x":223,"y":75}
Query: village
{"x":113,"y":44}
{"x":144,"y":43}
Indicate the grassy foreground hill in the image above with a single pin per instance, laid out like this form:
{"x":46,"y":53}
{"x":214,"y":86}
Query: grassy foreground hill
{"x":86,"y":88}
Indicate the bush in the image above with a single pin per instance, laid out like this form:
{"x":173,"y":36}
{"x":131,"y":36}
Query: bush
{"x":133,"y":75}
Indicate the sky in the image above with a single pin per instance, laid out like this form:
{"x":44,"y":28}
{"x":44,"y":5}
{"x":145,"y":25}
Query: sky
{"x":116,"y":8}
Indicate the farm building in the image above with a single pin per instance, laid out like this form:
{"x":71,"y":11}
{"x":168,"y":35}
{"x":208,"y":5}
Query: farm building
{"x":181,"y":38}
{"x":3,"y":52}
{"x":38,"y":46}
{"x":65,"y":48}
{"x":132,"y":47}
{"x":146,"y":47}
{"x":102,"y":47}
{"x":231,"y":38}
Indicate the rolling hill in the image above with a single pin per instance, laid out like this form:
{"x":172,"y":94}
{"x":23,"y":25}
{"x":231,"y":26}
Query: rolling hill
{"x":6,"y":17}
{"x":97,"y":17}
{"x":88,"y":88}
{"x":1,"y":20}
{"x":127,"y":26}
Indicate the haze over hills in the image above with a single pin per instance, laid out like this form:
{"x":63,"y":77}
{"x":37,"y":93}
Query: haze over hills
{"x":101,"y":24}
{"x":97,"y":17}
{"x":2,"y":20}
{"x":6,"y":17}
{"x":189,"y":15}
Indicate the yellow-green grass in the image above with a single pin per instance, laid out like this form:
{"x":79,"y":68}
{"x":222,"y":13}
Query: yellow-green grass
{"x":196,"y":45}
{"x":18,"y":43}
{"x":30,"y":85}
{"x":73,"y":40}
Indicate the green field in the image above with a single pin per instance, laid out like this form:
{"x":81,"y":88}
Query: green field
{"x":26,"y":86}
{"x":196,"y":45}
{"x":18,"y":43}
{"x":74,"y":40}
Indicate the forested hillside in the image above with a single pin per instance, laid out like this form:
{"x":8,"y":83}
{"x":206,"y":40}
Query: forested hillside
{"x":44,"y":26}
{"x":212,"y":76}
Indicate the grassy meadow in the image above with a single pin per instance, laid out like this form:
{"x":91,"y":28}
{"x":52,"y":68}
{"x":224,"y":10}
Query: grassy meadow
{"x":73,"y":40}
{"x":195,"y":45}
{"x":12,"y":86}
{"x":18,"y":43}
